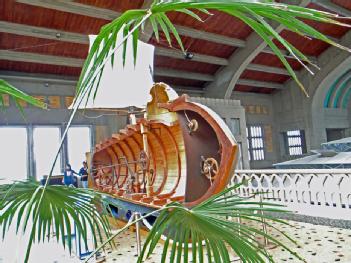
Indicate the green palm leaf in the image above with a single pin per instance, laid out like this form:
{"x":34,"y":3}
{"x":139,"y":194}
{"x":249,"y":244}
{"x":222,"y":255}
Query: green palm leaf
{"x":207,"y":230}
{"x":17,"y":95}
{"x":52,"y":208}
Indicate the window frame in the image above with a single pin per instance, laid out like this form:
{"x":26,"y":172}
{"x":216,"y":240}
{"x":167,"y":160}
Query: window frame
{"x":302,"y":144}
{"x":28,"y":150}
{"x":31,"y":173}
{"x":251,"y":148}
{"x":90,"y":136}
{"x":62,"y":152}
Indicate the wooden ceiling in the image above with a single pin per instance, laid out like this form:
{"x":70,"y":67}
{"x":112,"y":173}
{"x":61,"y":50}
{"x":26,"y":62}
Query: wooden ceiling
{"x":38,"y":36}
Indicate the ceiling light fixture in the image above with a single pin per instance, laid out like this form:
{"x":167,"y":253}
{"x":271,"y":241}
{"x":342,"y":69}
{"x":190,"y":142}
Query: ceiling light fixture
{"x":188,"y":55}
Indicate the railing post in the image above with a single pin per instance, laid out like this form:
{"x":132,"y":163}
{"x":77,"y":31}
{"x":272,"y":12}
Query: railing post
{"x":137,"y":230}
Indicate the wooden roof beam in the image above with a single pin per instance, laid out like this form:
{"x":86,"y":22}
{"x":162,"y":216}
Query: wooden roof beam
{"x":211,"y":37}
{"x":227,"y":78}
{"x":260,"y":84}
{"x":41,"y":32}
{"x":178,"y":54}
{"x":268,"y":69}
{"x":82,"y":9}
{"x":40,"y":58}
{"x":70,"y":6}
{"x":182,"y":74}
{"x":75,"y":62}
{"x":188,"y":90}
{"x":286,"y":54}
{"x":47,"y":33}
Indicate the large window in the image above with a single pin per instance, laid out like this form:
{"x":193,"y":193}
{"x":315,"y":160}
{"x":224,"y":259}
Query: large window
{"x":46,"y":142}
{"x":255,"y":143}
{"x":295,"y":142}
{"x":78,"y":143}
{"x":13,"y":154}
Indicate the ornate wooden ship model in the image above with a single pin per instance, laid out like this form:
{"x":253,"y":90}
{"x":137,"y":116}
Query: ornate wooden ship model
{"x":179,"y":151}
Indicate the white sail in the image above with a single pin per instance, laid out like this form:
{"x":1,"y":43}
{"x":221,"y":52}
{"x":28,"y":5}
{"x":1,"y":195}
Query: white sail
{"x":121,"y":87}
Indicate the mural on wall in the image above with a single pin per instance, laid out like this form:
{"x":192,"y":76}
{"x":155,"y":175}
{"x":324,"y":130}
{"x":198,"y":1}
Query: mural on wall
{"x":54,"y":102}
{"x":339,"y":93}
{"x":68,"y":101}
{"x":268,"y":138}
{"x":6,"y":100}
{"x":256,"y":109}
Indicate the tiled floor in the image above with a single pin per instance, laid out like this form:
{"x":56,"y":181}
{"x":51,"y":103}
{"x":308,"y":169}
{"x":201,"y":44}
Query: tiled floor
{"x":317,"y":244}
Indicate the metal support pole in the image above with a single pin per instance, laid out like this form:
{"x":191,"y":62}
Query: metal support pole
{"x":137,"y":230}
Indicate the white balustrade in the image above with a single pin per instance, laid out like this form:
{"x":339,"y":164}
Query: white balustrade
{"x":322,"y":193}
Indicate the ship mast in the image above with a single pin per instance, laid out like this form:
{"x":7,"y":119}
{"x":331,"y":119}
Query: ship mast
{"x":144,"y":132}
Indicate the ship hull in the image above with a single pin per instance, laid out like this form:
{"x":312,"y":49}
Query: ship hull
{"x":181,"y":151}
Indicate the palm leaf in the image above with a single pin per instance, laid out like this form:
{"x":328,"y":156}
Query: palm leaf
{"x":53,"y":207}
{"x":17,"y":95}
{"x":207,"y":228}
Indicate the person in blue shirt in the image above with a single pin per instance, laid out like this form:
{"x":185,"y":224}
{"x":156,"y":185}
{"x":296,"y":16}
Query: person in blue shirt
{"x":68,"y":176}
{"x":83,"y":172}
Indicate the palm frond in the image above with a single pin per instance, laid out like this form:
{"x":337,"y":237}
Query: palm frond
{"x":212,"y":230}
{"x":207,"y":229}
{"x":29,"y":205}
{"x":17,"y":95}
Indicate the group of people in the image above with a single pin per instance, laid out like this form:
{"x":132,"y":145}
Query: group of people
{"x":69,"y":175}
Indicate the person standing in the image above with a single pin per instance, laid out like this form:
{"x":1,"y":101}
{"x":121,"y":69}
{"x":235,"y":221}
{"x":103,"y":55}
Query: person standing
{"x":68,"y":176}
{"x":83,"y":172}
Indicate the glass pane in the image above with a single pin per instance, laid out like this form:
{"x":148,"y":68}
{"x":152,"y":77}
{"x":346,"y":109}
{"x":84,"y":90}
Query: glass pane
{"x":79,"y":142}
{"x":13,"y":154}
{"x":46,"y":143}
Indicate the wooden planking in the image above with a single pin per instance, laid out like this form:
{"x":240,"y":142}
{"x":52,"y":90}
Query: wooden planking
{"x":178,"y":136}
{"x":38,"y":68}
{"x":261,"y":76}
{"x":196,"y":46}
{"x":178,"y":54}
{"x":160,"y":159}
{"x":121,"y":170}
{"x":15,"y":12}
{"x":179,"y":82}
{"x":331,"y":30}
{"x":39,"y":58}
{"x":310,"y":47}
{"x":272,"y":60}
{"x":42,"y":46}
{"x":94,"y":9}
{"x":343,"y":3}
{"x":188,"y":65}
{"x":182,"y":74}
{"x":171,"y":158}
{"x":244,"y":88}
{"x":118,"y":6}
{"x":43,"y":32}
{"x":260,"y":84}
{"x":214,"y":24}
{"x":215,"y":38}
